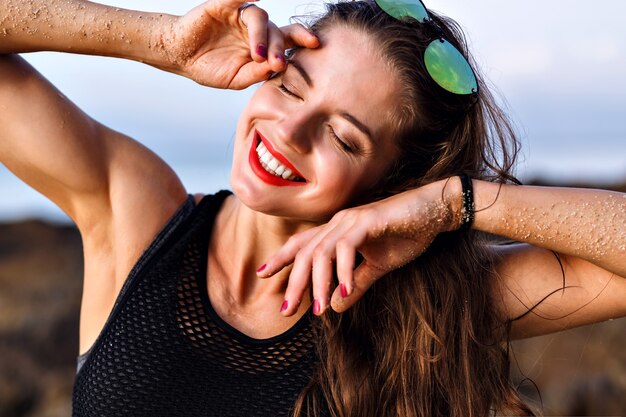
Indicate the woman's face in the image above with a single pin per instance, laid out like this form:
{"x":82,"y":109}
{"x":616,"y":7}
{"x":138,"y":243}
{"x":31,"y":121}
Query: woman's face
{"x":316,"y":136}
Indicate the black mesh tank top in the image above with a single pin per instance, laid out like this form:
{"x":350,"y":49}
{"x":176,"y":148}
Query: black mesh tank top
{"x":165,"y":352}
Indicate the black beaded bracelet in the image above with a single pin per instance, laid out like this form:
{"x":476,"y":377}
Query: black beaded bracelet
{"x":467,"y":213}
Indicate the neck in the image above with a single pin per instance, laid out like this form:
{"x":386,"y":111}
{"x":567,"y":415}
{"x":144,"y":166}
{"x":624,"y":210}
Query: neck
{"x":243,"y":240}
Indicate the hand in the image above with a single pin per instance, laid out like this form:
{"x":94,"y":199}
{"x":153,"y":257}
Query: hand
{"x":387,"y":234}
{"x":211,"y":45}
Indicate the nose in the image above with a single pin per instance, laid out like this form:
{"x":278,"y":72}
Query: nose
{"x":297,"y":130}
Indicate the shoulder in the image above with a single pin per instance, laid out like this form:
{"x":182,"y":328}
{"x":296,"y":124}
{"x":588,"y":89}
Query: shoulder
{"x":198,"y":197}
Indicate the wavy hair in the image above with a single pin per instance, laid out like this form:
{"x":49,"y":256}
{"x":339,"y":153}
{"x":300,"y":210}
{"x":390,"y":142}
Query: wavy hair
{"x":425,"y":340}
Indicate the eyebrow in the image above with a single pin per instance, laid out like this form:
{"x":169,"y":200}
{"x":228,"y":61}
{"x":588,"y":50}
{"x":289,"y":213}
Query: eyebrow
{"x":302,"y":72}
{"x":356,"y":122}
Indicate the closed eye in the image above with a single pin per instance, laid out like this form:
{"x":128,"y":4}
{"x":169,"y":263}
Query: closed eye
{"x":339,"y":141}
{"x":286,"y":90}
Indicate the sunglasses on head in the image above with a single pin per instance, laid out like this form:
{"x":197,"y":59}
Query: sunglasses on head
{"x":445,"y":64}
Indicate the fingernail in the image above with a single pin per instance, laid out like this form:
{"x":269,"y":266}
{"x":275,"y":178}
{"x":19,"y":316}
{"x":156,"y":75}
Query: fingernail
{"x":316,"y":307}
{"x":261,"y":268}
{"x":343,"y":289}
{"x":284,"y":306}
{"x":261,"y":50}
{"x":280,"y":57}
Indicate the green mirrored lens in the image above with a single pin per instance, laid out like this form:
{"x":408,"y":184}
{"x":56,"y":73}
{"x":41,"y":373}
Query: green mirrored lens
{"x":449,"y":68}
{"x":402,"y":8}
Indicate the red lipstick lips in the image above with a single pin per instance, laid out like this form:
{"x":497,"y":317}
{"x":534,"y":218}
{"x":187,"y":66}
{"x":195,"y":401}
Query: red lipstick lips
{"x":260,"y":172}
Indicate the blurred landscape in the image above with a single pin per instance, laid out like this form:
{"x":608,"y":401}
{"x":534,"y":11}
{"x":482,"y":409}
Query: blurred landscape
{"x":581,"y":372}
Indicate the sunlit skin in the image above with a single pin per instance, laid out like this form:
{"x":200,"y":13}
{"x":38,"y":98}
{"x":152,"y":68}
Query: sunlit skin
{"x":263,"y":216}
{"x":120,"y":194}
{"x":343,"y":71}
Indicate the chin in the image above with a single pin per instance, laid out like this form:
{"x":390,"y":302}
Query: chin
{"x":276,"y":203}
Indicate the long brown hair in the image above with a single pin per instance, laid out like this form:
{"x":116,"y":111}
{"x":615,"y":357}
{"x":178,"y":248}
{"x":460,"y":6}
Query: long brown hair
{"x":425,"y":339}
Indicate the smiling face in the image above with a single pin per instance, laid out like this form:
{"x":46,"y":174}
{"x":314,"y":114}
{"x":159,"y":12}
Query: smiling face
{"x":315,"y":137}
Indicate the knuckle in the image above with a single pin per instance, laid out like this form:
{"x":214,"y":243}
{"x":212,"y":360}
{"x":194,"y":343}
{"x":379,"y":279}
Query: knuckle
{"x":301,"y":257}
{"x":321,"y":251}
{"x":340,"y":215}
{"x":344,"y":243}
{"x":292,"y":243}
{"x":261,"y":13}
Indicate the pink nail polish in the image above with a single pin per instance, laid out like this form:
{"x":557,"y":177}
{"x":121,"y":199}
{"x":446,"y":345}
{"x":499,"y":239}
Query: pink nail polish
{"x":280,"y":58}
{"x":316,"y":307}
{"x":343,"y":289}
{"x":284,"y":306}
{"x":261,"y":50}
{"x":261,"y":268}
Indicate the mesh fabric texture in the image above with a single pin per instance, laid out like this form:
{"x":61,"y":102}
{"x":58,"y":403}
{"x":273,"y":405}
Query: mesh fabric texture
{"x":165,"y":352}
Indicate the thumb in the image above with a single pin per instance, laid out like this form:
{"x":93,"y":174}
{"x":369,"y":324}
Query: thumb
{"x":364,"y":277}
{"x":250,"y":73}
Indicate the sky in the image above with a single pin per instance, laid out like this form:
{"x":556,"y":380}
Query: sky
{"x":558,"y":66}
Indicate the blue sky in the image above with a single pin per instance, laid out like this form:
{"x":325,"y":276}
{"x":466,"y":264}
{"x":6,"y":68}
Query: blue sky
{"x":560,"y":65}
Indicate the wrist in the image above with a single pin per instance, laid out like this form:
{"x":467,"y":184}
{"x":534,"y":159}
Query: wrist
{"x":160,"y":43}
{"x":452,"y":194}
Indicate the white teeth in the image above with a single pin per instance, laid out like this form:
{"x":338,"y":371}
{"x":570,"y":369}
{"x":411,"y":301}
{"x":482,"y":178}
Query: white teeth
{"x":273,"y":165}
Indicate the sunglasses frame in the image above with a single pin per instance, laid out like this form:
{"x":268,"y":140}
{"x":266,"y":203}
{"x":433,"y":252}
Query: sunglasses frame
{"x":445,"y":64}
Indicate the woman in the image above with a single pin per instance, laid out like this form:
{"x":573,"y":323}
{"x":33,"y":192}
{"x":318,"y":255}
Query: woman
{"x":181,"y":301}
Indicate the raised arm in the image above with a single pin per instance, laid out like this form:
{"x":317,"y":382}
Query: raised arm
{"x":63,"y":153}
{"x":583,"y":229}
{"x":118,"y":192}
{"x":210,"y":44}
{"x":571,"y":270}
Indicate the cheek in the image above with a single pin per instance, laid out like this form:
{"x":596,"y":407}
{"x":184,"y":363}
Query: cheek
{"x":265,"y":99}
{"x":342,"y":178}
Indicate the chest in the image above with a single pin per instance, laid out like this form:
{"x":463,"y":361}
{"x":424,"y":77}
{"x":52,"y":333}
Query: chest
{"x":167,"y":351}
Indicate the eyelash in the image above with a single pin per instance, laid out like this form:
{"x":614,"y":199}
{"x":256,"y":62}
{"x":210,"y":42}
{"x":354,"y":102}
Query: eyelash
{"x":341,"y":143}
{"x":285,"y":90}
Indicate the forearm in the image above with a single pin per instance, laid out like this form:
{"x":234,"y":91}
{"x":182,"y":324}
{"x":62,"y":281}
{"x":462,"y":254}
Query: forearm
{"x":589,"y":224}
{"x":81,"y":27}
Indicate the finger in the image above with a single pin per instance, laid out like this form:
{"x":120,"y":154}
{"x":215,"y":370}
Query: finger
{"x":322,"y":278}
{"x":346,"y":256}
{"x":250,"y":73}
{"x":276,"y":51}
{"x":364,"y":277}
{"x":232,"y":4}
{"x":298,"y":35}
{"x":256,"y":20}
{"x":345,"y":239}
{"x":287,"y":253}
{"x":340,"y":240}
{"x":301,"y":274}
{"x":299,"y":280}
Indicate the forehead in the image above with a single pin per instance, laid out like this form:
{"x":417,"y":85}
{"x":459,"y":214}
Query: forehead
{"x":350,"y":75}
